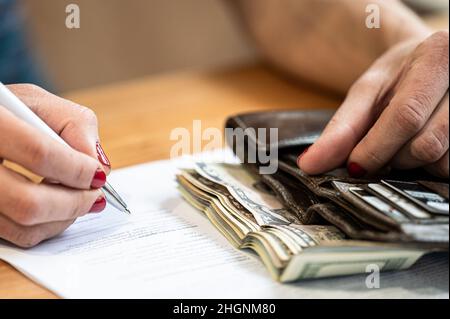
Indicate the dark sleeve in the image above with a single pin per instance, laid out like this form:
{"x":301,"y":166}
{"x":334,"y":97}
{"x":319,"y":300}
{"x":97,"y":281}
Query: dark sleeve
{"x":16,"y":62}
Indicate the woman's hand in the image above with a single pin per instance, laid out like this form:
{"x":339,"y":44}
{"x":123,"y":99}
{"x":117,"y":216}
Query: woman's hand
{"x":29,"y":212}
{"x":395,"y":115}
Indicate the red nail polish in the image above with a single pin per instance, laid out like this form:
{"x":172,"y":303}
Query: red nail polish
{"x":99,"y":179}
{"x":102,"y":156}
{"x":354,"y":170}
{"x":99,"y":205}
{"x":300,"y":156}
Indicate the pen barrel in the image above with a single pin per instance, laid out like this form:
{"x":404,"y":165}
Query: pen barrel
{"x":13,"y":104}
{"x":23,"y":171}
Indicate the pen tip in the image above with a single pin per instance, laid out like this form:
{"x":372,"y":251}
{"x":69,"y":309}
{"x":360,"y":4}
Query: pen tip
{"x":127,"y":211}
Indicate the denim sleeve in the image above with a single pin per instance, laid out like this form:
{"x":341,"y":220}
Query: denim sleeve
{"x":16,"y":62}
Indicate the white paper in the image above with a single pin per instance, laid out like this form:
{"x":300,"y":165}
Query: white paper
{"x":167,"y":249}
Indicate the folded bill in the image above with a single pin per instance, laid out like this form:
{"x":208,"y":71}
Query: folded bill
{"x":251,"y":217}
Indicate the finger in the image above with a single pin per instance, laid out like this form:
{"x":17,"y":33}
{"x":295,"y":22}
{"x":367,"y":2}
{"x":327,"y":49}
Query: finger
{"x":28,"y":204}
{"x":347,"y":127}
{"x":430,"y":144}
{"x":46,"y":157}
{"x":440,"y":168}
{"x":365,"y":101}
{"x":76,"y":124}
{"x":417,"y":96}
{"x":29,"y":236}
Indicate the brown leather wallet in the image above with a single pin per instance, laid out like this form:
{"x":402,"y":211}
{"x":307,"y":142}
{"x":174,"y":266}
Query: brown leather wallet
{"x":327,"y":198}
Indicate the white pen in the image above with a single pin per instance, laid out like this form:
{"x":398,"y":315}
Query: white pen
{"x":19,"y":109}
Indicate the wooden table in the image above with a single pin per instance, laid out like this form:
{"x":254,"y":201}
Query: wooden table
{"x":136,"y":119}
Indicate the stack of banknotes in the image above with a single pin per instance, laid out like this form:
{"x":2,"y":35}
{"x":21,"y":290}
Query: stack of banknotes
{"x":251,"y":217}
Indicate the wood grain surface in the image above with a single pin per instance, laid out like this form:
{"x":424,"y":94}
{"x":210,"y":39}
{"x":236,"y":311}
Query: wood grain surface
{"x":137,"y":117}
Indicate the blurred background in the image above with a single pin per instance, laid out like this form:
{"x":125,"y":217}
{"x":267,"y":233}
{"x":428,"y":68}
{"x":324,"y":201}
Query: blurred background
{"x":120,"y":40}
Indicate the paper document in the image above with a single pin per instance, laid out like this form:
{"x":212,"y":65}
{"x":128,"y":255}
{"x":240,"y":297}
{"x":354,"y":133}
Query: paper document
{"x":167,"y":249}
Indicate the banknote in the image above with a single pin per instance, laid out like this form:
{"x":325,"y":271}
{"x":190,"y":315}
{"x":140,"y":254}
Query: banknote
{"x":248,"y":190}
{"x":205,"y":196}
{"x":340,"y":263}
{"x":216,"y":189}
{"x":252,"y":218}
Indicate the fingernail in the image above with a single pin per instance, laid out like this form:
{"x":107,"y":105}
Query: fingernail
{"x":99,"y":179}
{"x":300,"y":156}
{"x":99,"y":205}
{"x":102,"y":156}
{"x":355,"y":170}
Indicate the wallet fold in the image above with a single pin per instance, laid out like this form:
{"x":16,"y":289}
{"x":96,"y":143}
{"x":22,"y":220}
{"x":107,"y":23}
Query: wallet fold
{"x":327,"y":198}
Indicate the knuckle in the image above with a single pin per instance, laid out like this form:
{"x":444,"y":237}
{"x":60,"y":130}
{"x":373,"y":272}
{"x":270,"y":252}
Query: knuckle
{"x":75,"y":208}
{"x":27,"y":238}
{"x":31,"y":92}
{"x":81,"y":114}
{"x":369,"y":82}
{"x":88,"y":115}
{"x":374,"y":158}
{"x":83,"y":172}
{"x":440,"y":37}
{"x":354,"y":88}
{"x":372,"y":78}
{"x":410,"y":116}
{"x":335,"y":120}
{"x":27,"y":208}
{"x":430,"y":147}
{"x":435,"y":52}
{"x":437,"y":41}
{"x":31,"y":88}
{"x":357,"y":87}
{"x":38,"y":153}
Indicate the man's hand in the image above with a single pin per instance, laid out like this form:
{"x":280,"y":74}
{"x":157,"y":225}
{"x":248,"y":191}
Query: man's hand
{"x":396,"y":114}
{"x":29,"y":212}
